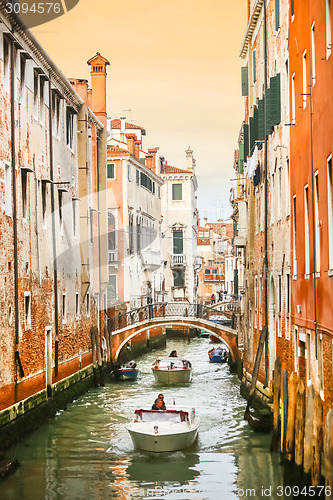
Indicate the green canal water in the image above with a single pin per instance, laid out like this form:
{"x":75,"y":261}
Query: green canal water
{"x":85,"y":452}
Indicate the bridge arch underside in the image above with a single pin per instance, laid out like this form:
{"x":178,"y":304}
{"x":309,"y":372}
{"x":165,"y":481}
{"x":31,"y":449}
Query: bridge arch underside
{"x":227,"y":335}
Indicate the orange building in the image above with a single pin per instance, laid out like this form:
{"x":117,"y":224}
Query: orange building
{"x":311,"y":98}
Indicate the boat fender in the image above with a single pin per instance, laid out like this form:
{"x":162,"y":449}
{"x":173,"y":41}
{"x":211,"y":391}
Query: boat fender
{"x":156,"y":429}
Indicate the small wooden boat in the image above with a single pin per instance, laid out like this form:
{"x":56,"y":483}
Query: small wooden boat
{"x":172,"y":370}
{"x":218,"y":355}
{"x":126,"y":374}
{"x":204,"y":334}
{"x":164,"y":430}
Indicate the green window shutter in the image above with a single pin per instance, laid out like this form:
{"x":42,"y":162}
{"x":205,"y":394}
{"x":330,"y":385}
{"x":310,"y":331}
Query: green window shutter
{"x":177,"y":191}
{"x":254,"y":66}
{"x":252,"y":132}
{"x":246,"y":140}
{"x":255,"y":117}
{"x":177,"y":237}
{"x":245,"y":80}
{"x":277,"y":14}
{"x":261,"y":133}
{"x":236,"y":281}
{"x":268,"y":111}
{"x":275,"y":96}
{"x":110,"y":172}
{"x":241,"y":159}
{"x":292,"y":8}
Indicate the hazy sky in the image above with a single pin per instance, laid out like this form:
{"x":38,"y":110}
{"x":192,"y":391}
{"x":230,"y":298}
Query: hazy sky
{"x":175,"y":65}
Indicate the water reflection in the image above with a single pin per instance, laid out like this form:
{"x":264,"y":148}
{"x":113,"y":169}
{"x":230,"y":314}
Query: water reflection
{"x":86,"y":452}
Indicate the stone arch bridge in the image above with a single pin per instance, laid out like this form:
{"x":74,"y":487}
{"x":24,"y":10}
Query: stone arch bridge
{"x":124,"y":327}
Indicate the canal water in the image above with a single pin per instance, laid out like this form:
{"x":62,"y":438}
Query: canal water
{"x":85,"y":452}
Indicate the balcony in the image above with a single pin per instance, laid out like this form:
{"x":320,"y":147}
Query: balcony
{"x":178,"y":260}
{"x":150,"y":259}
{"x":113,"y":260}
{"x":213,"y":277}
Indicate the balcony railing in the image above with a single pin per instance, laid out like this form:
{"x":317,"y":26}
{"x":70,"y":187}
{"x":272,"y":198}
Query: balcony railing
{"x":178,"y":259}
{"x":213,"y":277}
{"x":113,"y":256}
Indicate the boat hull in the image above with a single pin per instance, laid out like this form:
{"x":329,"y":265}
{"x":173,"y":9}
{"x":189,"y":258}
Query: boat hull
{"x":172,"y":376}
{"x":126,"y":374}
{"x":163,"y":442}
{"x":217,"y":359}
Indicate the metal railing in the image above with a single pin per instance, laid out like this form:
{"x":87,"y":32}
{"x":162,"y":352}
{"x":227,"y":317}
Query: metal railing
{"x":171,"y":309}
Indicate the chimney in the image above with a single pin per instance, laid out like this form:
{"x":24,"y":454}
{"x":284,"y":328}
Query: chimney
{"x":137,"y":149}
{"x":122,"y":128}
{"x":153,"y":152}
{"x":189,"y":158}
{"x":205,"y":221}
{"x":149,"y":162}
{"x":131,"y":138}
{"x":98,"y":65}
{"x":81,"y":87}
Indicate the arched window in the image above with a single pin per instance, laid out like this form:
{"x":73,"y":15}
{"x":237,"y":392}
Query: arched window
{"x":112,"y":239}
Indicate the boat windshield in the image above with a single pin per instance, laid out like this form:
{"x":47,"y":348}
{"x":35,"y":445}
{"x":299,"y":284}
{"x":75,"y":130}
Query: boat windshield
{"x":162,"y":416}
{"x":172,"y":363}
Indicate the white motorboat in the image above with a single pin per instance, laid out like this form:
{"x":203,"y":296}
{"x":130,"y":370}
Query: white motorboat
{"x":172,"y":370}
{"x":164,"y":430}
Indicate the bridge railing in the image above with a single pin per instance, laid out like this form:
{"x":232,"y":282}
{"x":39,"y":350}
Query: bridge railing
{"x":170,"y":309}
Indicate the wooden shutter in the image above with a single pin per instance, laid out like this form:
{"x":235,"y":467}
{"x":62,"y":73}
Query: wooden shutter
{"x":261,"y":132}
{"x":245,"y":80}
{"x":277,"y":14}
{"x":246,"y":140}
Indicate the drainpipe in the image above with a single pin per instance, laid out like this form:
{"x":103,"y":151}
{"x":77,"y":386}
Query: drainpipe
{"x":54,"y":242}
{"x":266,"y":198}
{"x":12,"y":131}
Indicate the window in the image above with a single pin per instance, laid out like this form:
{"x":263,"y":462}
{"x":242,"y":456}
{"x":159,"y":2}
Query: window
{"x":77,"y":304}
{"x":313,"y":54}
{"x":44,"y":203}
{"x":159,"y":191}
{"x":256,"y":292}
{"x":74,"y":218}
{"x":60,"y":210}
{"x":330,"y":211}
{"x":288,"y":294}
{"x":112,"y":243}
{"x":273,"y":199}
{"x":55,"y":114}
{"x":137,"y":177}
{"x":316,"y":214}
{"x":138,"y":234}
{"x":306,"y":230}
{"x":64,"y":308}
{"x":279,"y":200}
{"x":178,"y":278}
{"x":6,"y":62}
{"x":146,"y":181}
{"x":111,"y":171}
{"x":41,"y":100}
{"x":131,"y":234}
{"x":214,"y":271}
{"x":280,"y":293}
{"x":328,"y":29}
{"x":24,"y":182}
{"x":305,"y":88}
{"x":112,"y":287}
{"x":288,"y":188}
{"x":277,"y":15}
{"x":27,"y":310}
{"x":308,"y":356}
{"x":296,"y":349}
{"x":207,"y":271}
{"x":36,"y":86}
{"x":8,"y":190}
{"x":293,"y":100}
{"x":129,"y":172}
{"x":88,"y":304}
{"x":294,"y":237}
{"x":292,"y":7}
{"x":177,"y":191}
{"x":22,"y":79}
{"x":254,"y":66}
{"x":178,"y":242}
{"x":69,"y":128}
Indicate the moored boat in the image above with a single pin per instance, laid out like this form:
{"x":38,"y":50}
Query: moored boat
{"x":166,"y":430}
{"x":218,"y":355}
{"x":172,"y":370}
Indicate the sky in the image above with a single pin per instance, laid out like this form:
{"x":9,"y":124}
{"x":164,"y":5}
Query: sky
{"x":174,"y":69}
